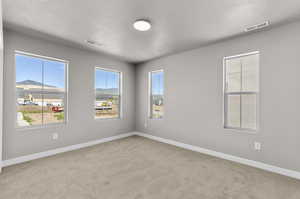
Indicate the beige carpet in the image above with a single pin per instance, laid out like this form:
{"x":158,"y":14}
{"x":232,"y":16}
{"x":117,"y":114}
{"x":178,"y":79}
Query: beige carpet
{"x":138,"y":168}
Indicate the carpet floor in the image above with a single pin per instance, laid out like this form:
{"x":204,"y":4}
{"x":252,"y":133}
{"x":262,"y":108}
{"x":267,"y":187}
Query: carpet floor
{"x":139,"y":168}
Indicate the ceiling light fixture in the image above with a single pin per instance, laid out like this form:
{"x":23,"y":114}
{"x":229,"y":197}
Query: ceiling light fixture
{"x":142,"y":25}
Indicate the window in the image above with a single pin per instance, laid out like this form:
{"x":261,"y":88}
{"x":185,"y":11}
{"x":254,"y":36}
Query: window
{"x":108,"y":95}
{"x":40,"y":90}
{"x":241,"y":89}
{"x":156,"y":82}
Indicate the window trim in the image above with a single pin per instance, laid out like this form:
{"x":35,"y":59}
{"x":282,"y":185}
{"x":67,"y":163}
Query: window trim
{"x":66,"y":96}
{"x":224,"y":109}
{"x":120,"y":116}
{"x":150,"y":93}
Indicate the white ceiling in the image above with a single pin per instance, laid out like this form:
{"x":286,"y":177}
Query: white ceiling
{"x":177,"y":24}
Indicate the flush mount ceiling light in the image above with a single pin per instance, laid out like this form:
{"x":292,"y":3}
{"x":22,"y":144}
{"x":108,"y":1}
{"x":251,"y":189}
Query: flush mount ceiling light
{"x":142,"y":25}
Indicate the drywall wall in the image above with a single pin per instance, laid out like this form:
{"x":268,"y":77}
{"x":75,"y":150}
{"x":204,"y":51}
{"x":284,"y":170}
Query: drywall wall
{"x":193,"y":97}
{"x":1,"y":81}
{"x":81,"y":126}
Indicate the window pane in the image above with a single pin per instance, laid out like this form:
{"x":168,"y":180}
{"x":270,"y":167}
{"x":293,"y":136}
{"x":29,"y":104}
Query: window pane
{"x":107,"y":106}
{"x":40,"y":90}
{"x":249,"y":111}
{"x":250,"y":73}
{"x":29,"y":112}
{"x":54,"y":75}
{"x":29,"y":78}
{"x":157,"y":94}
{"x":53,"y":108}
{"x":157,"y":106}
{"x":233,"y":75}
{"x":54,"y":92}
{"x":233,"y":111}
{"x":107,"y":84}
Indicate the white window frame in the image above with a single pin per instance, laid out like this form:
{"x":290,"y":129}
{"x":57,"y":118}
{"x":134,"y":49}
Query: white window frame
{"x":225,"y":126}
{"x":66,"y":108}
{"x":120,"y":116}
{"x":150,"y":94}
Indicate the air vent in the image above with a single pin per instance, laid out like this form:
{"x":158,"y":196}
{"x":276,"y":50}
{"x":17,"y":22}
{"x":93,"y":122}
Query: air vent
{"x":258,"y":26}
{"x":93,"y":43}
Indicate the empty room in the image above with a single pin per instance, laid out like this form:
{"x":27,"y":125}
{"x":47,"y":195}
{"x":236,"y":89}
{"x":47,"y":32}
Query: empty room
{"x":156,"y":99}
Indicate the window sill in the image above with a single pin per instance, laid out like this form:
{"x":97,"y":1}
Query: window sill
{"x":37,"y":127}
{"x":156,"y":118}
{"x":105,"y":119}
{"x":241,"y":130}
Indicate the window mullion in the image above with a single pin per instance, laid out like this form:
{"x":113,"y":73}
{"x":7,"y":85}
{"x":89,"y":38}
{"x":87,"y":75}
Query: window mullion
{"x":244,"y":93}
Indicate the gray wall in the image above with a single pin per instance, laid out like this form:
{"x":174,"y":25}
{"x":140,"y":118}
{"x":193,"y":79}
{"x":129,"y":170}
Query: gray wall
{"x":82,"y":126}
{"x":1,"y":80}
{"x":193,"y":97}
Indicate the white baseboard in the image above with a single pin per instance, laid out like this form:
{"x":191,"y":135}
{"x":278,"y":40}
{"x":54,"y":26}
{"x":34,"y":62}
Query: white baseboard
{"x":260,"y":165}
{"x":34,"y":156}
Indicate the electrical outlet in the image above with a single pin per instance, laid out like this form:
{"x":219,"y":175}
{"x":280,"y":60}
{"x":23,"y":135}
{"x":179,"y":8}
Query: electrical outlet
{"x":55,"y":136}
{"x":257,"y":146}
{"x":145,"y":125}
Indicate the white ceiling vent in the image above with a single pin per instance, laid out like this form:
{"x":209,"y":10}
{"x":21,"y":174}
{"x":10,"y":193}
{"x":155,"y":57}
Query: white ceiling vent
{"x":258,"y":26}
{"x":93,"y":43}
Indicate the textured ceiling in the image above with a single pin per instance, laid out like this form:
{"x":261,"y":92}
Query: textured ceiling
{"x":177,"y":24}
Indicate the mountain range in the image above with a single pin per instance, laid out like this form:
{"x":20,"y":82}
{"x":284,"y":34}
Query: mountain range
{"x":34,"y":83}
{"x":107,"y":91}
{"x":99,"y":91}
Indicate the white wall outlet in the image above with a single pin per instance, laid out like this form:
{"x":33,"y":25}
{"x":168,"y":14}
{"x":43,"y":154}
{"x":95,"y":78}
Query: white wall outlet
{"x":257,"y":146}
{"x":145,"y":125}
{"x":55,"y":136}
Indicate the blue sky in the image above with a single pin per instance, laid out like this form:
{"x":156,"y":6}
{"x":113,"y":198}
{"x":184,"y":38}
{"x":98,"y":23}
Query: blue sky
{"x":106,"y":79}
{"x":158,"y":83}
{"x":31,"y":68}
